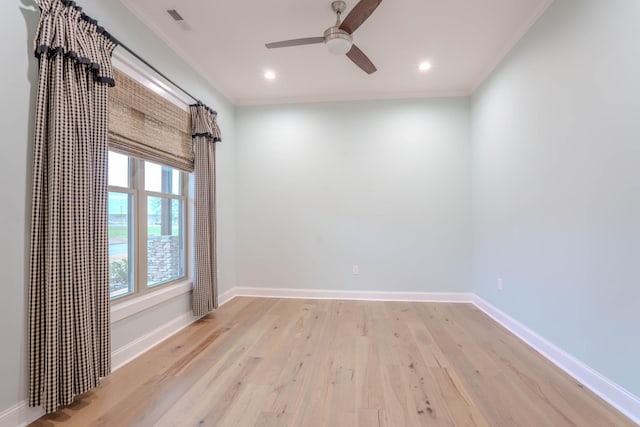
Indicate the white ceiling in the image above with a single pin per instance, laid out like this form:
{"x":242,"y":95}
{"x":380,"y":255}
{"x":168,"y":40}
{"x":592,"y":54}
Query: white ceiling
{"x":224,"y":40}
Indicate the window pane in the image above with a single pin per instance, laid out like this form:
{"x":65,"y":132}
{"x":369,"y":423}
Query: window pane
{"x":161,"y":179}
{"x":165,"y":240}
{"x":120,"y":244}
{"x":118,"y":169}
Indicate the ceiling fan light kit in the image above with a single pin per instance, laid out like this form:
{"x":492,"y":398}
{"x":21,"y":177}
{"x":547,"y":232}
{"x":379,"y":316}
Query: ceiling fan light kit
{"x":339,"y":39}
{"x":338,"y":42}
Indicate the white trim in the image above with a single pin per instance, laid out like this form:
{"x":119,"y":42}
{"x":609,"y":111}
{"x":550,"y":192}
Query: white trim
{"x":225,"y":297}
{"x":384,"y":96}
{"x":130,"y":307}
{"x":624,"y":401}
{"x":145,"y":78}
{"x":612,"y":393}
{"x":509,"y":45}
{"x":20,"y":415}
{"x":130,"y":351}
{"x":453,"y":297}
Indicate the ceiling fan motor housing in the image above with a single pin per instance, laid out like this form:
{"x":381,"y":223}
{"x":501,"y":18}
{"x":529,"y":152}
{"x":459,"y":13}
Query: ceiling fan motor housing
{"x":338,"y":41}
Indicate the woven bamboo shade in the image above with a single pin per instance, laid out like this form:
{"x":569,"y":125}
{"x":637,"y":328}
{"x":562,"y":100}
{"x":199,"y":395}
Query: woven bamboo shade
{"x":145,"y":125}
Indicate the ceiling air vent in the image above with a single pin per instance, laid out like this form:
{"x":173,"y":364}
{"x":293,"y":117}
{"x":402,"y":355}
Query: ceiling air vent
{"x":179,"y":19}
{"x":175,"y":15}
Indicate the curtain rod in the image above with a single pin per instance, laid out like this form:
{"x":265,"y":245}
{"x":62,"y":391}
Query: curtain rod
{"x":160,"y":73}
{"x":101,"y":30}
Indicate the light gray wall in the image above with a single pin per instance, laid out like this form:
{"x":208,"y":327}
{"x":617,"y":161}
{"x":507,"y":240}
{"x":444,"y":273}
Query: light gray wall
{"x":386,"y":185}
{"x":18,"y":22}
{"x":382,"y":184}
{"x":556,"y":184}
{"x":17,"y":26}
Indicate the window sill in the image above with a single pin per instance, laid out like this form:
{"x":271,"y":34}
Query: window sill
{"x":144,"y":302}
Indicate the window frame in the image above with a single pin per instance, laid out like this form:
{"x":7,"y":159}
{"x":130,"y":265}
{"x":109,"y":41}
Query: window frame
{"x":121,"y":310}
{"x":133,"y":222}
{"x":139,"y":235}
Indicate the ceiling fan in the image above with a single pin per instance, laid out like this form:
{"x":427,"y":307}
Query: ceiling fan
{"x":339,"y":39}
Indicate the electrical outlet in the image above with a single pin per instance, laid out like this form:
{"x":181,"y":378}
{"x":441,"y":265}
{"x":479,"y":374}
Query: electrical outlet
{"x":499,"y":283}
{"x":355,"y":269}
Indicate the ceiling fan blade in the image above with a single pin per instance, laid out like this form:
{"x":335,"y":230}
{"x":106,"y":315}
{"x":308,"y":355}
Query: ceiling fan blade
{"x":361,"y":60}
{"x":295,"y":42}
{"x":359,"y":14}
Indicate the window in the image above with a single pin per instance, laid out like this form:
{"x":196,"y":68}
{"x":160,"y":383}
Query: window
{"x":147,"y":225}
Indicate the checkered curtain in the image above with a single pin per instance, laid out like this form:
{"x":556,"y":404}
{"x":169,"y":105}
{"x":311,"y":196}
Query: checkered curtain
{"x":69,"y":342}
{"x":205,"y":133}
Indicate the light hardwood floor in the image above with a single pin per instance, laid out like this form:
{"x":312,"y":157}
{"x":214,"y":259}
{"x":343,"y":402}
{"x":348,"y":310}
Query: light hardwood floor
{"x":288,"y":362}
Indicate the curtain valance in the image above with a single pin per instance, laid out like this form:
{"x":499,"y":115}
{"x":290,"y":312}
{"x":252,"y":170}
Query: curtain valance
{"x":65,"y":30}
{"x":204,"y":123}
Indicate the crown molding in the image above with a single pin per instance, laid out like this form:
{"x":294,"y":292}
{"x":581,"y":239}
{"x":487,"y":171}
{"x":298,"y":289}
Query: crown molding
{"x":387,"y":96}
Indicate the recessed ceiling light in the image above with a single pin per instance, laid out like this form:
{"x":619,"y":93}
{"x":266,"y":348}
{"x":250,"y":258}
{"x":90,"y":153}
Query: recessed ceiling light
{"x":424,"y":66}
{"x":269,"y":75}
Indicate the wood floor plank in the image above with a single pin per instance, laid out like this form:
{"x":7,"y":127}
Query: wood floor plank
{"x":368,"y":417}
{"x":561,"y":395}
{"x":287,"y":362}
{"x":296,"y":369}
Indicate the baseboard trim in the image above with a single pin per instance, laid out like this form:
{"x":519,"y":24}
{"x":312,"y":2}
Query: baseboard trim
{"x":128,"y":352}
{"x":453,"y":297}
{"x":226,"y":296}
{"x":621,"y":399}
{"x":20,"y":415}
